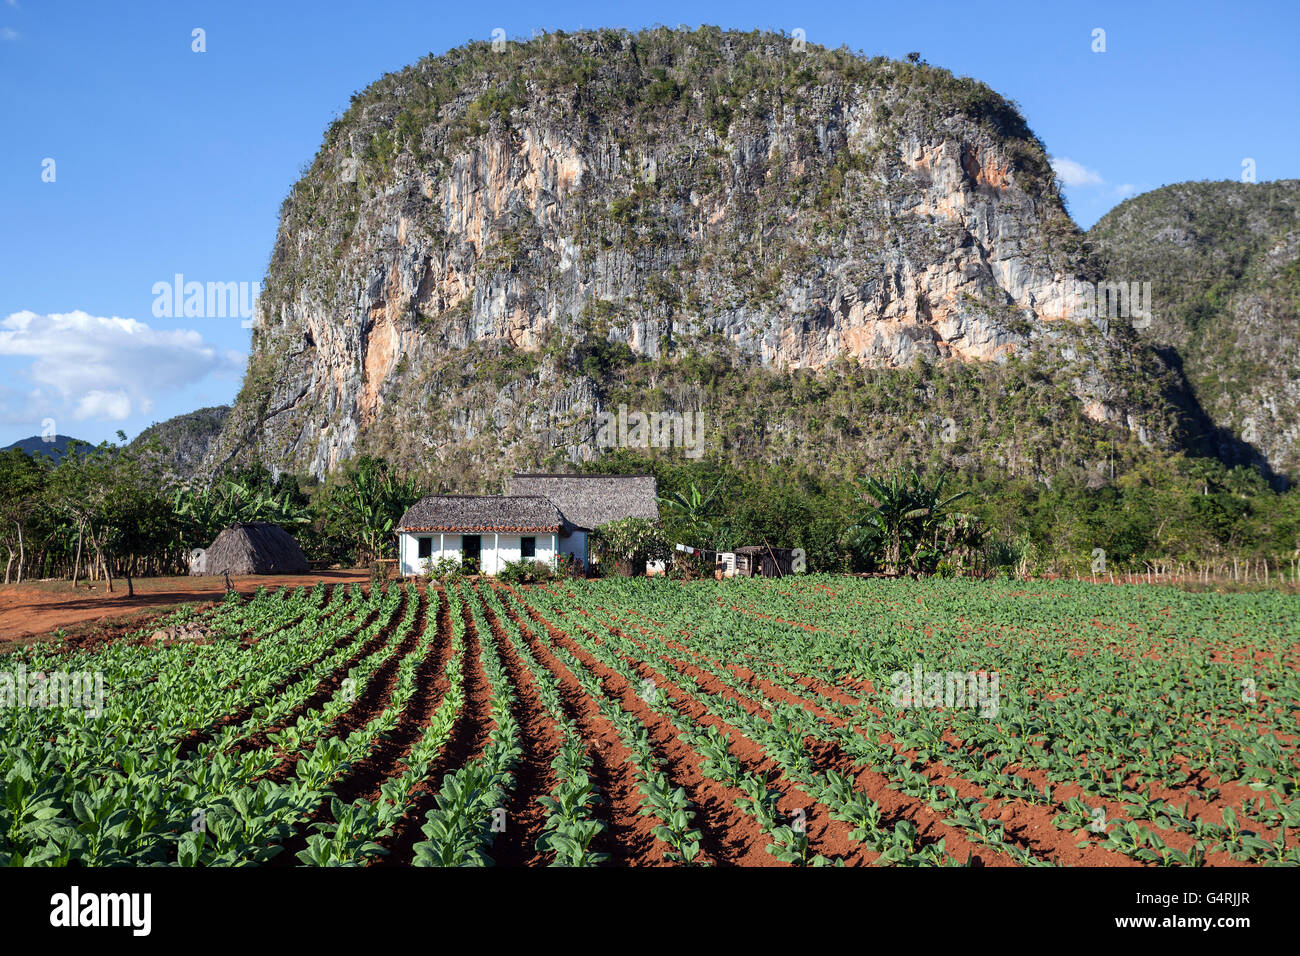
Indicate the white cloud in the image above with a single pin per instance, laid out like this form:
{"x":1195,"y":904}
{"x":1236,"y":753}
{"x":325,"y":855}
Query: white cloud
{"x":9,"y":33}
{"x":104,"y":406}
{"x":1124,"y":190}
{"x":106,"y":369}
{"x":1074,"y":174}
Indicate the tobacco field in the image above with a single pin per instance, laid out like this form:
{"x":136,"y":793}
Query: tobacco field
{"x":640,"y":722}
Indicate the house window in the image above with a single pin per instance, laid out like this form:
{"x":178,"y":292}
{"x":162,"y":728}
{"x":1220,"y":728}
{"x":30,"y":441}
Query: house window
{"x":426,"y":548}
{"x":528,"y":547}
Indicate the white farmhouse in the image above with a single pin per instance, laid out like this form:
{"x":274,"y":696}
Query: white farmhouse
{"x":483,"y":531}
{"x":540,"y":518}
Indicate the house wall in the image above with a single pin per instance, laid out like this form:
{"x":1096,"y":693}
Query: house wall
{"x":408,"y":553}
{"x":497,"y":550}
{"x":576,"y":545}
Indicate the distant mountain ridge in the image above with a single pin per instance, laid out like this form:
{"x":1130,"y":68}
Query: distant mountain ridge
{"x":178,"y":445}
{"x":181,"y":443}
{"x":54,"y":448}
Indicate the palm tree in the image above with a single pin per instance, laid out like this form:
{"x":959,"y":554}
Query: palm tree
{"x":908,"y":516}
{"x":369,"y":503}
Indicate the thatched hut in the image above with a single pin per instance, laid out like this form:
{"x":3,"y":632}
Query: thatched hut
{"x":256,"y":548}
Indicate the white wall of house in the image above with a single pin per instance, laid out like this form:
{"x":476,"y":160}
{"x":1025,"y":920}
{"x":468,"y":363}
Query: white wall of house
{"x":408,"y":550}
{"x":497,"y":550}
{"x":575,"y":545}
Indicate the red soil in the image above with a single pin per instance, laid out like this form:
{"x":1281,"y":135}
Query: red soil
{"x":630,"y":838}
{"x":328,"y":686}
{"x":373,"y":701}
{"x":533,"y":777}
{"x":727,"y":834}
{"x":827,"y":755}
{"x":1031,"y":825}
{"x":469,"y":735}
{"x":201,"y":735}
{"x":32,"y":610}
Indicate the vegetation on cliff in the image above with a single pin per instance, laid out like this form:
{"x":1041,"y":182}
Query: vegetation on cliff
{"x":548,"y":226}
{"x":1223,"y":260}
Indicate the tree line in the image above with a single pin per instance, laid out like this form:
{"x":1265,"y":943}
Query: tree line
{"x":109,"y":512}
{"x":898,"y":519}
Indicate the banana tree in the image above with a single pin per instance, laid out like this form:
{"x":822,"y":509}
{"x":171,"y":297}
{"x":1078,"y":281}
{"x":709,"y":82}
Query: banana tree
{"x":692,"y":509}
{"x":205,"y":511}
{"x":366,"y":507}
{"x":911,"y":519}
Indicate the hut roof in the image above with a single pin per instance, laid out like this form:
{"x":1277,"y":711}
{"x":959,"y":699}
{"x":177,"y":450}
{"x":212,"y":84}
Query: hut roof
{"x":478,"y":513}
{"x":589,"y":501}
{"x":762,"y":549}
{"x":255,"y":548}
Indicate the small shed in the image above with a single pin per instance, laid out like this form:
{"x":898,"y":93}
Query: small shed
{"x":258,"y":547}
{"x":761,"y":561}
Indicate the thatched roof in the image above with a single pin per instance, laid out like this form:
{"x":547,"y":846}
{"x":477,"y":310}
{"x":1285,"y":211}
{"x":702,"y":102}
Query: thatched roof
{"x":257,"y":548}
{"x":588,"y":501}
{"x":511,"y":514}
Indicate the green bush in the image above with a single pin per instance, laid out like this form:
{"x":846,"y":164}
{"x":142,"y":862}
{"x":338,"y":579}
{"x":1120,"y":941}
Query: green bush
{"x":629,"y":543}
{"x":444,"y":569}
{"x":569,"y":566}
{"x":525,"y":571}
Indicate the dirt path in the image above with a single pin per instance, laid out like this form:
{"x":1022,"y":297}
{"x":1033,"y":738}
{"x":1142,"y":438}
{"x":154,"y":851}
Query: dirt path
{"x":34,"y":610}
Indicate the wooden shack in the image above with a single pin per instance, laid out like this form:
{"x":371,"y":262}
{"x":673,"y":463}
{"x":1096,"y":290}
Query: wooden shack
{"x":761,"y":561}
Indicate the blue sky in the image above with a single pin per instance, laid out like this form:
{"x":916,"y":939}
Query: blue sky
{"x":169,"y":161}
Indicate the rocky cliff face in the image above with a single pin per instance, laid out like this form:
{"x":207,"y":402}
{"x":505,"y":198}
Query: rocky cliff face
{"x":486,"y":239}
{"x":1224,"y":262}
